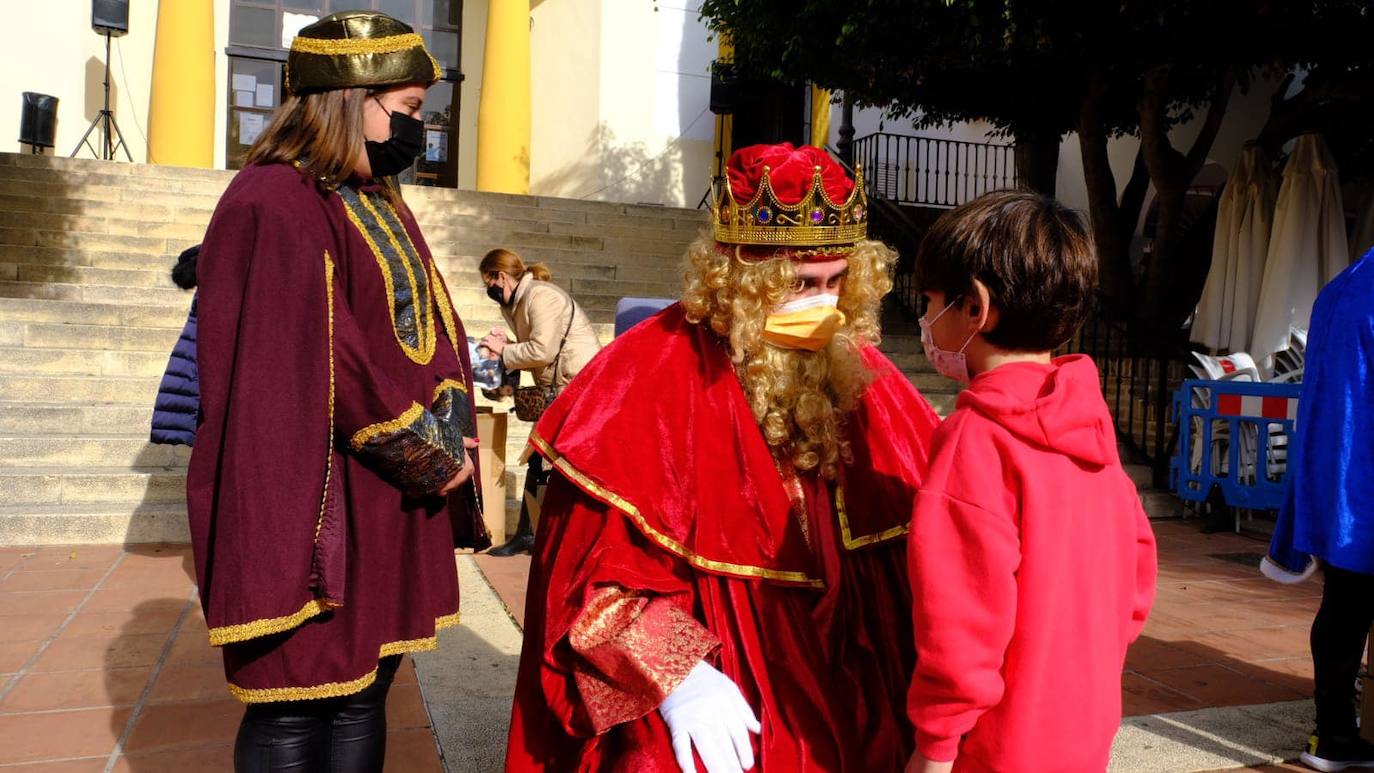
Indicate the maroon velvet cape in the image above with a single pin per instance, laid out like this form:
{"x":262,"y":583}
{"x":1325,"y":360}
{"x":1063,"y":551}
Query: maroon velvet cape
{"x":311,"y":561}
{"x":667,"y":488}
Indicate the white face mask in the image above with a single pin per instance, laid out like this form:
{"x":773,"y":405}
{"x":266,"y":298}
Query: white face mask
{"x":953,"y":365}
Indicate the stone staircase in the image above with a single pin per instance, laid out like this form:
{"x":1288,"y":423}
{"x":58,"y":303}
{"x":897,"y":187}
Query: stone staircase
{"x":88,"y":316}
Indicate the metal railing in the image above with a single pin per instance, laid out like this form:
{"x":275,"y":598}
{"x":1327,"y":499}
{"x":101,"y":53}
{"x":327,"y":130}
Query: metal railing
{"x":929,"y":172}
{"x":1140,"y":371}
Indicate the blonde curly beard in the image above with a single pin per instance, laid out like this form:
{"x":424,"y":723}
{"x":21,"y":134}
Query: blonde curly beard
{"x":798,"y":398}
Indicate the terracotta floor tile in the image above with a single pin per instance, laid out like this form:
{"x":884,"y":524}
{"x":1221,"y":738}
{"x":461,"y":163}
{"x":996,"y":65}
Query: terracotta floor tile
{"x":1252,"y":644}
{"x":30,"y":627}
{"x":84,"y":765}
{"x":159,"y":620}
{"x":405,"y":674}
{"x":118,"y":598}
{"x":33,"y":737}
{"x":405,"y":708}
{"x":1148,"y":654}
{"x":1292,"y":673}
{"x":124,"y":651}
{"x":14,"y":654}
{"x":509,"y":577}
{"x":1233,"y":615}
{"x":76,"y":690}
{"x":77,"y":557}
{"x":1215,"y":685}
{"x":1142,"y":695}
{"x":178,"y":682}
{"x":40,"y":602}
{"x":57,"y":579}
{"x":193,"y":648}
{"x":185,"y":725}
{"x":412,"y":751}
{"x":210,"y":759}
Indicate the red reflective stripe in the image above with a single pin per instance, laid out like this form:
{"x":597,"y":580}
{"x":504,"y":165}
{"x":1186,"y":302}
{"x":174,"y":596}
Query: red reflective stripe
{"x":1229,"y":405}
{"x":1275,"y":408}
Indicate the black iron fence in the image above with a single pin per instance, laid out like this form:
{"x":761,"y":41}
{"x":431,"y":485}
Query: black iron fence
{"x":929,"y":172}
{"x":1140,"y":372}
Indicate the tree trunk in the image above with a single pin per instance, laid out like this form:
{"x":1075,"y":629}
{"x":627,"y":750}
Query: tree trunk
{"x":1037,"y":163}
{"x":1111,"y":234}
{"x":1164,"y":254}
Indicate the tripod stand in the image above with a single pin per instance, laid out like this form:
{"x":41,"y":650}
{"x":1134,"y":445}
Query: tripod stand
{"x":109,"y":129}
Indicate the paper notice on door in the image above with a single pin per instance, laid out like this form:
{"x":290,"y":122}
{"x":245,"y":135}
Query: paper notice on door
{"x":250,"y":127}
{"x":265,"y":95}
{"x":244,"y":82}
{"x":436,"y":146}
{"x":243,"y":99}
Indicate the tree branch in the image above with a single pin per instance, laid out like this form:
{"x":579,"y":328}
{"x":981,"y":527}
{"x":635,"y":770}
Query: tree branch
{"x":1216,"y":112}
{"x":1165,"y":164}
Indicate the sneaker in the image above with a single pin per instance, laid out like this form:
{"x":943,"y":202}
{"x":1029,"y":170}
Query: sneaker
{"x":1338,"y":753}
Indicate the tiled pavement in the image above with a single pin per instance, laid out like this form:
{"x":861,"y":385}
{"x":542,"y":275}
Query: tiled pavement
{"x":104,"y":666}
{"x":104,"y":663}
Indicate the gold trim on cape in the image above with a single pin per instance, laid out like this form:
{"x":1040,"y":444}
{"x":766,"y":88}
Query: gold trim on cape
{"x":663,"y":540}
{"x":329,"y":459}
{"x":449,"y":383}
{"x":852,"y":543}
{"x":230,"y":634}
{"x":365,"y":434}
{"x":338,"y":689}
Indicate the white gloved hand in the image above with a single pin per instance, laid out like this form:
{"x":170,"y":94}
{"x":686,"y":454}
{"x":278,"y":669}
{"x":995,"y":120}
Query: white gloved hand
{"x":707,"y":711}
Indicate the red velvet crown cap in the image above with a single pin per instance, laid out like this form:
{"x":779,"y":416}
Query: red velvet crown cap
{"x":791,"y":170}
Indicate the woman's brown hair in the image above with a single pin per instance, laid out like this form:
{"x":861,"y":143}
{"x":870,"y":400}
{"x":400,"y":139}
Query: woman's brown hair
{"x":323,"y":131}
{"x":507,"y":261}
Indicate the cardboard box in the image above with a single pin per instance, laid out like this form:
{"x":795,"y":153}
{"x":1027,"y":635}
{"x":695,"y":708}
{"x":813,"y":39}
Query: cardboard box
{"x":491,"y":458}
{"x":1367,"y":692}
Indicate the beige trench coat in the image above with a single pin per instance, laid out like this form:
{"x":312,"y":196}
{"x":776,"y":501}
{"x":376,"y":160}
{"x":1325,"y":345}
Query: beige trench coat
{"x":538,"y":316}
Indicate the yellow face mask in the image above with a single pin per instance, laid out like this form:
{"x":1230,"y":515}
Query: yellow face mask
{"x":806,"y":323}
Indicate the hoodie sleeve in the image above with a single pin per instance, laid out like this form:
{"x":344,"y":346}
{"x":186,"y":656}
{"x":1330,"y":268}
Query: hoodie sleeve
{"x":1146,"y":569}
{"x":963,"y":561}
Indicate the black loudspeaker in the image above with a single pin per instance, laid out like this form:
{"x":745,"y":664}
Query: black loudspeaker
{"x":724,"y":88}
{"x":38,"y":120}
{"x":110,"y":17}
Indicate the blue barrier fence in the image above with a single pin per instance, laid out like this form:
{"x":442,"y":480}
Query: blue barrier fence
{"x":1233,"y":436}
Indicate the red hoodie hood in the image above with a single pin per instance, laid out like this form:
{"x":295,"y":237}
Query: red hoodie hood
{"x":1057,"y":406}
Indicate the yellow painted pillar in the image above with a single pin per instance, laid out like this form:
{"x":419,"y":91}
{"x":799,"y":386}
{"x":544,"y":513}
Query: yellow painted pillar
{"x":503,"y":111}
{"x":820,"y":116}
{"x":181,"y":107}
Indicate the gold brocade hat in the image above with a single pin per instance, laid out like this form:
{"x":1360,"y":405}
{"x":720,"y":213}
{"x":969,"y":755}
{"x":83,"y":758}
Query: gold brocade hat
{"x":350,"y":49}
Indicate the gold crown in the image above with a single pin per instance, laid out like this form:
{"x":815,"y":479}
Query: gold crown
{"x":815,"y":221}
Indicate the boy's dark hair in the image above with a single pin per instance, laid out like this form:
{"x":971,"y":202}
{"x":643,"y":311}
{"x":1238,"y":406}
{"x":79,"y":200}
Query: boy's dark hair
{"x":1033,"y":255}
{"x":184,"y":272}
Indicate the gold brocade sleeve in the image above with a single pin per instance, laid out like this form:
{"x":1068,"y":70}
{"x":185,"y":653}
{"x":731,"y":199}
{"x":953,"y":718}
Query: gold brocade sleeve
{"x":417,"y":451}
{"x":635,"y":648}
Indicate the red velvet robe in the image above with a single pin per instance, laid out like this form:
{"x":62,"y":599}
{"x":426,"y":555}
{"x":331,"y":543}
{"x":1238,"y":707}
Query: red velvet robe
{"x":670,"y":535}
{"x":334,"y":397}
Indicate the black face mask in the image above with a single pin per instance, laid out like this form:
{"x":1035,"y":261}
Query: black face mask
{"x":398,"y":153}
{"x":497,"y":293}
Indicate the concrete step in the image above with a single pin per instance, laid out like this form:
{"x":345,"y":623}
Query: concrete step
{"x":80,"y":362}
{"x":170,"y":297}
{"x":85,"y":451}
{"x":69,"y":486}
{"x":88,"y":276}
{"x":72,"y":312}
{"x":108,"y":390}
{"x":97,"y":337}
{"x":93,"y":524}
{"x":1161,"y":504}
{"x":47,"y":418}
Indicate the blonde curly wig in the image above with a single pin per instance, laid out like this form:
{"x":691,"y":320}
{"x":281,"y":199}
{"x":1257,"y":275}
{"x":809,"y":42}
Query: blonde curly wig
{"x":798,"y":398}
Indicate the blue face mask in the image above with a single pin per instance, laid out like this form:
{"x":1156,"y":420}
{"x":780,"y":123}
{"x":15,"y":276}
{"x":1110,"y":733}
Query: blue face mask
{"x":952,"y":365}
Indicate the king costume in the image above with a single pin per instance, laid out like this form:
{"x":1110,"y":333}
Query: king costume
{"x":335,"y":395}
{"x":673,"y":533}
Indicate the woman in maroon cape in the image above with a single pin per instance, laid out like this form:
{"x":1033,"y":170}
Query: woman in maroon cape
{"x":330,"y":479}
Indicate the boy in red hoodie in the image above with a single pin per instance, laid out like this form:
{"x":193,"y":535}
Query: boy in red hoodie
{"x":1032,"y":561}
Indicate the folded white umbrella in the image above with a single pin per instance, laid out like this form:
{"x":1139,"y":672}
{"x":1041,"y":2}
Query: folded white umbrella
{"x":1245,"y":217}
{"x":1307,"y":249}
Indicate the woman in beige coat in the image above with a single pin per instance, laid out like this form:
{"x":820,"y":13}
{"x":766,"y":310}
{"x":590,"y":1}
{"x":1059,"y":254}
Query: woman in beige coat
{"x":553,"y":340}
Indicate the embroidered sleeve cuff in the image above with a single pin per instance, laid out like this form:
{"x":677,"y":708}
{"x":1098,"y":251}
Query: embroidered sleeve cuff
{"x":937,"y":748}
{"x":635,"y":649}
{"x":415,"y":451}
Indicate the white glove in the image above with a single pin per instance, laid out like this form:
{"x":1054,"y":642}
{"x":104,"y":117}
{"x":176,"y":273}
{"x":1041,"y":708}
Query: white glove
{"x":707,"y":711}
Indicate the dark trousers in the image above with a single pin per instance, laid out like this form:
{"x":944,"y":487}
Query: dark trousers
{"x":334,"y":735}
{"x":535,"y":476}
{"x":1338,"y":641}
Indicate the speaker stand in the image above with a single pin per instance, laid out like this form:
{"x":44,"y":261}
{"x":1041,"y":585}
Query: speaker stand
{"x":105,"y":121}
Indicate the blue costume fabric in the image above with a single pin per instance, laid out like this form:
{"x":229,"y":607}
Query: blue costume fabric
{"x":1329,"y":508}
